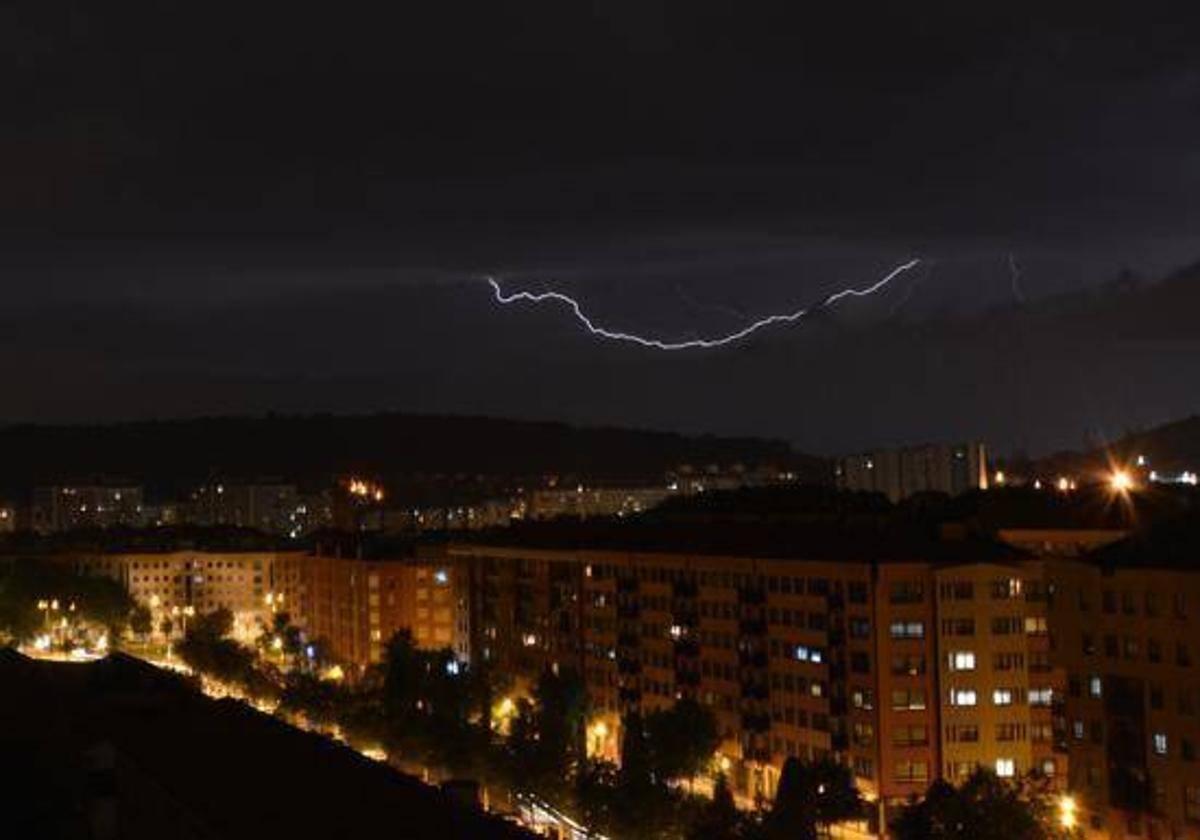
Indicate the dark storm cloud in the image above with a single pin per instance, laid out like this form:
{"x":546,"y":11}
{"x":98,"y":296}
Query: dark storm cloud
{"x":224,"y":208}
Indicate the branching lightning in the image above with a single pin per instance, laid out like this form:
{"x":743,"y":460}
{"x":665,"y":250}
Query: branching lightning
{"x":696,"y":343}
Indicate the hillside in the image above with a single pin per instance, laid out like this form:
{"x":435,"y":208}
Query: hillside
{"x":1169,"y":448}
{"x":170,"y":456}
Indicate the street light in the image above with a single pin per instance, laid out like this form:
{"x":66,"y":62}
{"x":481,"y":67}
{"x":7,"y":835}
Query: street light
{"x":1067,"y":811}
{"x":1121,"y":481}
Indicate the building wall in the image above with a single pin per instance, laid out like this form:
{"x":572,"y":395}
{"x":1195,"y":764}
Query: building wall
{"x":166,"y":582}
{"x":998,"y":690}
{"x":356,"y":605}
{"x":794,"y":657}
{"x":1128,"y":641}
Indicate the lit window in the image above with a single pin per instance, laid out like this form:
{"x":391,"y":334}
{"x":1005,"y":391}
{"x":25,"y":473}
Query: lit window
{"x":1002,"y":697}
{"x":1077,"y":730}
{"x":1160,"y":743}
{"x":1094,"y":686}
{"x":907,"y":629}
{"x":1041,"y":696}
{"x":1006,"y":768}
{"x":962,"y":697}
{"x":962,"y":660}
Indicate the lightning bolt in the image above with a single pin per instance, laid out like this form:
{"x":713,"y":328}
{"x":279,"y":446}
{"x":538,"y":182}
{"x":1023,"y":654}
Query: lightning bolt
{"x":1015,"y":273}
{"x":696,"y":343}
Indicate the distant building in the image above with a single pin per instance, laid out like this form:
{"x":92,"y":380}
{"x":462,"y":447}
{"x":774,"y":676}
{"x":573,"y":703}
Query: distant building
{"x":272,"y":508}
{"x":900,"y":473}
{"x":586,"y":502}
{"x":71,"y":507}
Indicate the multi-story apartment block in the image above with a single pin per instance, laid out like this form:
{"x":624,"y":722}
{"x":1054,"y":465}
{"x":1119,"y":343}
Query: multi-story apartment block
{"x":907,"y":664}
{"x":900,"y":473}
{"x":584,"y":502}
{"x":355,"y":605}
{"x":176,"y":584}
{"x":272,"y":508}
{"x":68,"y":508}
{"x":1125,"y":632}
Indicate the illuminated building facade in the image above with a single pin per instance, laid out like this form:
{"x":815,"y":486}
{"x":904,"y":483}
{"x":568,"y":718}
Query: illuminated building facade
{"x":794,"y":657}
{"x":356,"y":605}
{"x":169,"y":582}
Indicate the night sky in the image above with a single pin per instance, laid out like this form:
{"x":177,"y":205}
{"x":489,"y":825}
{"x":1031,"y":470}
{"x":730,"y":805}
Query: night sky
{"x":217,"y":208}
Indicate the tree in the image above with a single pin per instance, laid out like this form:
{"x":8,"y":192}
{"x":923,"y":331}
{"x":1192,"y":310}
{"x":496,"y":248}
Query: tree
{"x":634,"y":776}
{"x":682,"y":740}
{"x":141,"y":622}
{"x":984,"y":807}
{"x":214,"y":625}
{"x":720,"y":819}
{"x":562,"y":707}
{"x":812,"y":796}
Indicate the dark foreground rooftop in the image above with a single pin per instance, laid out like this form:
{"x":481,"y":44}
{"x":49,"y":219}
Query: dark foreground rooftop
{"x":119,"y":749}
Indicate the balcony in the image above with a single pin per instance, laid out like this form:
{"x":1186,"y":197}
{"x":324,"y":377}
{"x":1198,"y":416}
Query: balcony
{"x":752,"y":595}
{"x":626,"y":665}
{"x":754,"y":690}
{"x":687,"y":648}
{"x":628,"y":640}
{"x":687,"y":677}
{"x":752,"y":659}
{"x":756,"y":722}
{"x":627,"y":585}
{"x":684,"y":589}
{"x":628,"y":611}
{"x":752,"y":627}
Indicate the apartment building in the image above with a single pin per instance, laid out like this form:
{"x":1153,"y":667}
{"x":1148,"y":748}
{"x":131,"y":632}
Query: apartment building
{"x":900,"y":473}
{"x":909,"y":669}
{"x":1125,"y":631}
{"x":355,"y":605}
{"x":72,"y":507}
{"x":178,"y":583}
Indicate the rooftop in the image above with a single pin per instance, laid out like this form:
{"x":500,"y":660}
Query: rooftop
{"x":78,"y":738}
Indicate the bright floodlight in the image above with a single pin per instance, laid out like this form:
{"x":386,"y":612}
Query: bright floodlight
{"x":1121,"y":481}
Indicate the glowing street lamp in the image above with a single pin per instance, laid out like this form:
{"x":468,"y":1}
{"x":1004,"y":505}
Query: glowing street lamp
{"x":1068,"y":809}
{"x":1120,"y":481}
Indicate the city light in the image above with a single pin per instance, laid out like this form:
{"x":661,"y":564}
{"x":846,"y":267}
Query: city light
{"x":365,"y":490}
{"x":1120,"y":481}
{"x":1067,"y":811}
